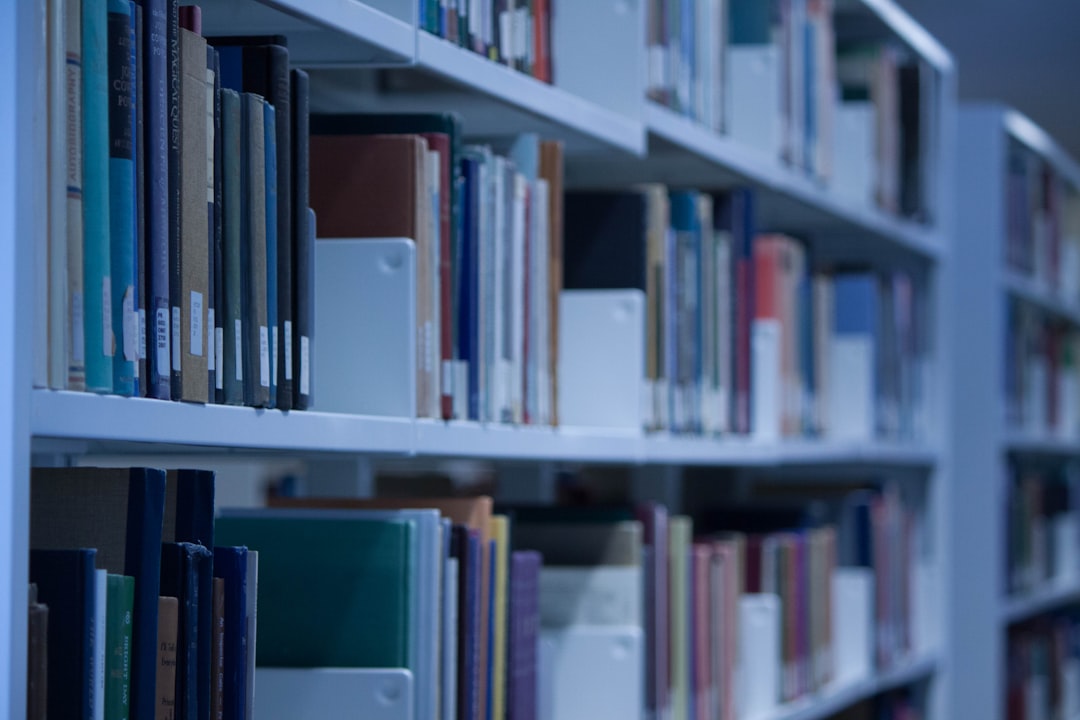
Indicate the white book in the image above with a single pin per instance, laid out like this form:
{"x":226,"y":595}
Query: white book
{"x":252,"y":623}
{"x":501,"y":270}
{"x":725,"y":333}
{"x":768,"y":387}
{"x":429,"y":340}
{"x":538,"y":306}
{"x":38,"y":137}
{"x":759,"y":655}
{"x":98,"y":634}
{"x":609,"y":595}
{"x":450,"y":639}
{"x":56,"y":287}
{"x":76,"y":379}
{"x":517,"y":306}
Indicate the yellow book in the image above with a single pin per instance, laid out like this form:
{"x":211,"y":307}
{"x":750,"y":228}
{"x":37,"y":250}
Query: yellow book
{"x":500,"y":533}
{"x":680,"y":539}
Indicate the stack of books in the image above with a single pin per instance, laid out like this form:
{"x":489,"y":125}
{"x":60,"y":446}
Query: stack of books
{"x":134,"y":612}
{"x":180,"y":239}
{"x":1043,"y":527}
{"x":516,"y":33}
{"x":487,"y":227}
{"x":1044,"y":668}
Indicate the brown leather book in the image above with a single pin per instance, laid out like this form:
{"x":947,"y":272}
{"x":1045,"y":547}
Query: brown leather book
{"x":551,"y":169}
{"x":37,"y":665}
{"x":194,"y":240}
{"x":377,"y":186}
{"x":168,"y":624}
{"x":217,"y":662}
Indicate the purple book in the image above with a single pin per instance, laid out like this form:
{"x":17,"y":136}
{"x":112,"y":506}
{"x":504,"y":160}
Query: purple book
{"x":522,"y":661}
{"x":654,"y":521}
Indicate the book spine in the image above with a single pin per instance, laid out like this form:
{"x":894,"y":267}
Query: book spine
{"x":139,"y":125}
{"x":96,"y":280}
{"x":156,"y":108}
{"x":58,"y":328}
{"x":232,"y":256}
{"x":118,"y":628}
{"x":257,"y":346}
{"x":271,"y":202}
{"x":299,"y":337}
{"x":76,"y":347}
{"x":211,"y":227}
{"x":121,"y":196}
{"x":194,"y":243}
{"x":219,"y":250}
{"x":165,"y":678}
{"x":217,"y":690}
{"x":175,"y":148}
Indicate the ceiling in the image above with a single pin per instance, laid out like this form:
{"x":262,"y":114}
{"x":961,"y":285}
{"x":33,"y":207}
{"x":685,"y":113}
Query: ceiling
{"x":1024,"y":53}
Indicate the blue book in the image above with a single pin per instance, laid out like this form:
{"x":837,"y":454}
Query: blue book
{"x":686,"y":226}
{"x":856,"y":304}
{"x":65,"y":583}
{"x":119,"y":511}
{"x":688,"y":69}
{"x":156,"y":194}
{"x":230,"y":564}
{"x":181,"y":567}
{"x":122,"y":195}
{"x":490,"y":601}
{"x":751,"y":21}
{"x":468,"y":305}
{"x":97,"y":283}
{"x":270,"y":147}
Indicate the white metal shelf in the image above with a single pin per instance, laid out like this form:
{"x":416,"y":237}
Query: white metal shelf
{"x":1035,"y":292}
{"x":1043,"y":600}
{"x":345,"y":32}
{"x":838,"y":698}
{"x":1028,"y":443}
{"x":109,"y":422}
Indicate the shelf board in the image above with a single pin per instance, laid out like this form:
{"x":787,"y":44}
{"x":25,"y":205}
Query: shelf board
{"x":1025,"y":443}
{"x":1036,"y":293}
{"x":891,"y":19}
{"x":1027,"y":132}
{"x":1054,"y":596}
{"x":319,"y":32}
{"x":836,"y":699}
{"x":112,"y":422}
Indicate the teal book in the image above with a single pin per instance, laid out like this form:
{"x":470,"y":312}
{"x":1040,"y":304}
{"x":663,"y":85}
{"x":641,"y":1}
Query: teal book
{"x":119,"y":613}
{"x":333,"y":592}
{"x":123,"y":301}
{"x":270,"y":148}
{"x":97,"y":282}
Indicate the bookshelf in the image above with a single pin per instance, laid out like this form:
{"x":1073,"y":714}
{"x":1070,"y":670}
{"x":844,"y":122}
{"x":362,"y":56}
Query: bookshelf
{"x":992,"y":434}
{"x":610,"y":130}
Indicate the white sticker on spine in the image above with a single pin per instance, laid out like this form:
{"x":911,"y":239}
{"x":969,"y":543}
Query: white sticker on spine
{"x":305,"y":368}
{"x":161,"y":340}
{"x":264,"y":357}
{"x":176,"y":338}
{"x":107,"y":339}
{"x":287,"y":350}
{"x":219,"y":350}
{"x":131,"y":326}
{"x":274,"y":354}
{"x":195,"y":340}
{"x":238,"y":345}
{"x":211,"y":345}
{"x":142,"y":334}
{"x":78,"y":330}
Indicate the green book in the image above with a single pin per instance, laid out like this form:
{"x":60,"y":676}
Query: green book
{"x":332,"y":592}
{"x":681,"y":538}
{"x":119,"y":609}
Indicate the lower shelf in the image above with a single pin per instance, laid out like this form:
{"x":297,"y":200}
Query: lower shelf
{"x":89,"y":423}
{"x":842,"y":696}
{"x":1043,"y":600}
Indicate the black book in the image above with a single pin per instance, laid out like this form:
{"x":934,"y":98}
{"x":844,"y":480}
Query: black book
{"x":606,"y":241}
{"x":172,"y":97}
{"x":181,"y":567}
{"x":303,"y":248}
{"x":141,"y":376}
{"x":218,"y":259}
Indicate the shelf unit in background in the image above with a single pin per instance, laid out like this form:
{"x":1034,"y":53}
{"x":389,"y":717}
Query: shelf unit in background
{"x":979,"y":612}
{"x":610,"y":131}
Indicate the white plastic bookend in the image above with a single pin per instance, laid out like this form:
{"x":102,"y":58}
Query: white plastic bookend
{"x":852,"y":623}
{"x":759,"y":650}
{"x":339,"y":693}
{"x":755,"y":97}
{"x":365,"y":320}
{"x":592,"y":672}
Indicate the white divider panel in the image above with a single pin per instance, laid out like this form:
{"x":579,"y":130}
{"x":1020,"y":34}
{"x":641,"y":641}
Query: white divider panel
{"x":587,"y":673}
{"x":338,"y":693}
{"x":365,"y":320}
{"x":854,"y":166}
{"x":598,"y":53}
{"x":601,"y":358}
{"x":754,"y":108}
{"x":853,"y":624}
{"x":759,"y":652}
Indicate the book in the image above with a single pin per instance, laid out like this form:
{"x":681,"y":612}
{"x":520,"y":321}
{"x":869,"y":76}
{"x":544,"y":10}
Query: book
{"x":194,"y":243}
{"x":299,"y":335}
{"x":118,"y":630}
{"x":56,"y":309}
{"x":218,"y":188}
{"x":230,"y":566}
{"x":253,"y":246}
{"x":522,"y":647}
{"x":139,"y":192}
{"x":98,"y":655}
{"x":73,"y":113}
{"x":214,"y":287}
{"x":317,"y":576}
{"x":98,"y":334}
{"x":217,"y":662}
{"x":37,"y":658}
{"x":271,"y":202}
{"x":233,"y":267}
{"x":122,"y":219}
{"x":118,"y":511}
{"x":66,"y":581}
{"x":551,"y":170}
{"x":175,"y":149}
{"x":180,"y":570}
{"x":165,"y":677}
{"x":500,"y":532}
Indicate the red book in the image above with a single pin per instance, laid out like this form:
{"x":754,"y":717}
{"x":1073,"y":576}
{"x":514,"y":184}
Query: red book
{"x":767,"y":280}
{"x":440,"y":142}
{"x":541,"y":41}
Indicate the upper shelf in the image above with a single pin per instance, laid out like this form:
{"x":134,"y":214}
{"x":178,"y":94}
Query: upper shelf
{"x":1044,"y":600}
{"x":1020,"y":128}
{"x":1035,"y":293}
{"x":102,"y":423}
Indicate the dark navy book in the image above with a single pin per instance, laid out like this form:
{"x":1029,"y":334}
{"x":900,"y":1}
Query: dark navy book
{"x":230,"y":564}
{"x":181,"y":566}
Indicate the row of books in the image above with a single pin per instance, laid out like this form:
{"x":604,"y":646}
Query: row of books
{"x":178,"y":256}
{"x":1043,"y":526}
{"x":487,"y":225}
{"x":1041,"y":380}
{"x":1043,"y":673}
{"x":743,"y":331}
{"x":134,"y":612}
{"x":516,"y":33}
{"x":1042,"y":216}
